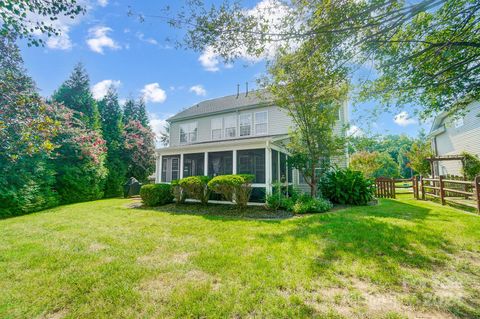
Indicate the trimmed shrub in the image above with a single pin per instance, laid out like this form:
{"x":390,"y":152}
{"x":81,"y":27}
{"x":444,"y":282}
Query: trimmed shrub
{"x":307,"y":204}
{"x":156,"y":194}
{"x":196,"y":187}
{"x":178,"y":193}
{"x":346,"y":186}
{"x":233,"y":188}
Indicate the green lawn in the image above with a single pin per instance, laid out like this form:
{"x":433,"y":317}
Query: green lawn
{"x":402,"y":258}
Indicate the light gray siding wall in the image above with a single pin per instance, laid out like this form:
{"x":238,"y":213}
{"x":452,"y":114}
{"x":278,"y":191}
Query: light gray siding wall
{"x":278,"y":123}
{"x":457,"y":140}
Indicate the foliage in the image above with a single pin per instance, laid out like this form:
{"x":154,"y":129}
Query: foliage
{"x":418,"y":155}
{"x":112,"y":132}
{"x":156,"y":194}
{"x":27,"y":132}
{"x":312,"y":96}
{"x":196,"y":187}
{"x":471,"y":168}
{"x":307,"y":204}
{"x":281,"y":198}
{"x":28,"y":19}
{"x":425,"y":52}
{"x":136,"y":111}
{"x":75,"y":94}
{"x":374,"y":164}
{"x":79,"y":161}
{"x":346,"y":186}
{"x":233,"y":188}
{"x":139,"y":150}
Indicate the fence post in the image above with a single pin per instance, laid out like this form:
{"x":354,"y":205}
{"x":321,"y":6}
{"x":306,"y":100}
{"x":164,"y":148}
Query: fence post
{"x":422,"y":188}
{"x":414,"y":187}
{"x":442,"y":192}
{"x":477,"y":191}
{"x":394,"y":188}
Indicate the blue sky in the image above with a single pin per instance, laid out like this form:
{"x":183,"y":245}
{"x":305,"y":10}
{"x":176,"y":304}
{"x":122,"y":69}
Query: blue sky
{"x":136,"y":57}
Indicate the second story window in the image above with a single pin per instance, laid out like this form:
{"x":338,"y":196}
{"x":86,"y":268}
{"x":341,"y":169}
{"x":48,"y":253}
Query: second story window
{"x":188,"y":132}
{"x":261,"y":123}
{"x":230,"y":126}
{"x":217,"y":128}
{"x":245,"y":124}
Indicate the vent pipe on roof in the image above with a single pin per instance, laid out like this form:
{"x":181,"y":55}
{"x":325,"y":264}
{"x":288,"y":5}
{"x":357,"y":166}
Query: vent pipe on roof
{"x":238,"y":89}
{"x":246,"y":85}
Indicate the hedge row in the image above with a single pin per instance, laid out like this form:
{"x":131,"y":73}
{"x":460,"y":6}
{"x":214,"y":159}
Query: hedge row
{"x":233,"y":188}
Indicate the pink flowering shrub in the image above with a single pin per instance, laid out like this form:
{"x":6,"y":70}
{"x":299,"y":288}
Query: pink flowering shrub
{"x":139,"y":150}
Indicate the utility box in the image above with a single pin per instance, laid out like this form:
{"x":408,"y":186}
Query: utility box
{"x":131,"y":187}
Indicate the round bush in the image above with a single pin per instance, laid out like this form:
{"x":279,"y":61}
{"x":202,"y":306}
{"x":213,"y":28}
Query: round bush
{"x":346,"y":186}
{"x":307,"y":204}
{"x":196,"y":187}
{"x":238,"y":187}
{"x":156,"y":194}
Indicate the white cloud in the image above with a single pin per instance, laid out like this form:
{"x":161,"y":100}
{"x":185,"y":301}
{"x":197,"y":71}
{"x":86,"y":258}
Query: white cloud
{"x":404,"y":119}
{"x":99,"y":39}
{"x":355,"y":131}
{"x":209,"y":60}
{"x":102,"y":3}
{"x":141,"y":37}
{"x":198,"y":90}
{"x":154,"y":93}
{"x":61,"y":42}
{"x":100,"y":89}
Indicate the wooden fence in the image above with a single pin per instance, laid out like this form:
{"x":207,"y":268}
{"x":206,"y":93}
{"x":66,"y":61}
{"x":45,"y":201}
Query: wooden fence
{"x":387,"y":187}
{"x":460,"y":192}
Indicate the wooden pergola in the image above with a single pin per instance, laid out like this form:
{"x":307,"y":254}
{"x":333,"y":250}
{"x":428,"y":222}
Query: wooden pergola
{"x":442,"y":158}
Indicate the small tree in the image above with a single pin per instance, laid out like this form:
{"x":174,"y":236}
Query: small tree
{"x":374,"y":164}
{"x":418,"y":157}
{"x":471,"y":166}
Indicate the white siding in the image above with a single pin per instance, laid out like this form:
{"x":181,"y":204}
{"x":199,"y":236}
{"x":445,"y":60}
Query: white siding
{"x":457,"y":140}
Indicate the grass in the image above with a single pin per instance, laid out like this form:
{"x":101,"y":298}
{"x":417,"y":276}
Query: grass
{"x":402,"y":258}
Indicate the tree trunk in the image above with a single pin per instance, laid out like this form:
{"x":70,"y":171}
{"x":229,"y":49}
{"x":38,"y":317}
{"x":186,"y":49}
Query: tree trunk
{"x":313,"y":184}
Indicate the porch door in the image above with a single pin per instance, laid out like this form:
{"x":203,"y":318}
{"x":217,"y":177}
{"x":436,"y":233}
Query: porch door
{"x":170,"y":168}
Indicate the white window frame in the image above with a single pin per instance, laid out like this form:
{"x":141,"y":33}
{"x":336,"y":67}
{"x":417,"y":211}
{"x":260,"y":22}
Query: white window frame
{"x":217,"y":129}
{"x":189,"y":132}
{"x":240,"y":124}
{"x":256,"y":123}
{"x":234,"y":117}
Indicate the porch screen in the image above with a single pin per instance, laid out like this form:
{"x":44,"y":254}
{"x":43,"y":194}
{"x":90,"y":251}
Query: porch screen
{"x":170,"y":168}
{"x":220,"y":163}
{"x":193,"y":164}
{"x":252,"y":162}
{"x":274,"y":166}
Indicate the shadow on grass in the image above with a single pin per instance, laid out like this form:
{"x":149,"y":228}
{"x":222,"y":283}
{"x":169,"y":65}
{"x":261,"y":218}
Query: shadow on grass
{"x":223,"y":212}
{"x":385,"y":236}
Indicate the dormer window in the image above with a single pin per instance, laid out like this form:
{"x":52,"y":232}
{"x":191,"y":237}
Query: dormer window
{"x":230,"y":126}
{"x":188,"y":132}
{"x":261,"y":123}
{"x":245,"y":124}
{"x":217,"y":128}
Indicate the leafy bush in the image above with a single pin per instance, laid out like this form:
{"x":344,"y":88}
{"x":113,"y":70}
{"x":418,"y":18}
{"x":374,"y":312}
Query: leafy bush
{"x":472,"y":166}
{"x":233,"y":188}
{"x":196,"y":187}
{"x":178,"y":193}
{"x":282,"y":198}
{"x":156,"y":194}
{"x":346,"y":186}
{"x":307,"y":204}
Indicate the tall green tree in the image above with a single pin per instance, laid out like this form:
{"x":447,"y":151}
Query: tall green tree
{"x":112,"y":132}
{"x":75,"y":94}
{"x":136,"y":111}
{"x":26,"y":132}
{"x":139,"y":150}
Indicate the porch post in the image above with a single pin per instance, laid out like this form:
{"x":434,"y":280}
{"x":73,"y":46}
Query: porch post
{"x":268,"y":168}
{"x":159,"y":169}
{"x":234,"y":162}
{"x":181,"y":165}
{"x":205,"y":164}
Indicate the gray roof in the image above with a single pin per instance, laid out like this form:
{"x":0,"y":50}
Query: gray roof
{"x":223,"y":104}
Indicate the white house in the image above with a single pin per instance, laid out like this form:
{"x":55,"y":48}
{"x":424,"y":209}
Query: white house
{"x":237,"y":134}
{"x":452,"y":136}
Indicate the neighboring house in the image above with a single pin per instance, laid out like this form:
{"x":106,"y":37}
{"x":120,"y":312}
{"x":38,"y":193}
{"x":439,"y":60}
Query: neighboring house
{"x":452,"y":136}
{"x":237,"y":134}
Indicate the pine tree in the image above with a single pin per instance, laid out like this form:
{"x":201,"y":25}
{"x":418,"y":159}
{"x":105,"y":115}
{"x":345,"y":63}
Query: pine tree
{"x":112,"y":129}
{"x":142,"y":112}
{"x":75,"y":94}
{"x":129,"y":110}
{"x":136,"y":111}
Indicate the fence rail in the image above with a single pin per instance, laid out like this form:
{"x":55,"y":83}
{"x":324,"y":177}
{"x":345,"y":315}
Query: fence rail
{"x":460,"y":192}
